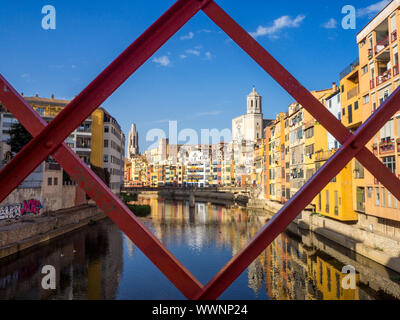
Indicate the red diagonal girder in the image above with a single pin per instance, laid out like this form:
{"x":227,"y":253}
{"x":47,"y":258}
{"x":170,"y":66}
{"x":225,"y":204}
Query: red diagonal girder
{"x":352,"y":145}
{"x":82,"y":107}
{"x":105,"y":199}
{"x":96,"y":93}
{"x":299,"y":93}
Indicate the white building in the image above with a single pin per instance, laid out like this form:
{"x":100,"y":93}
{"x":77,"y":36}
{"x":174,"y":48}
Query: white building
{"x":333,"y":104}
{"x":249,"y":127}
{"x":113,"y":152}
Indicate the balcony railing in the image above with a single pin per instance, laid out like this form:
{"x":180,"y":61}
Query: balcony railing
{"x":387,"y":146}
{"x":395,"y":70}
{"x":394,"y":36}
{"x":382,"y":45}
{"x":324,"y":155}
{"x":353,"y":92}
{"x":383,"y":77}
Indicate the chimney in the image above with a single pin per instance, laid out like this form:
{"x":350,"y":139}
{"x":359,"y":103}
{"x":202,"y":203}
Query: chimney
{"x":22,"y":94}
{"x":334,"y":86}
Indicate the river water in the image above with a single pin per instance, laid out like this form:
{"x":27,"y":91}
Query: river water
{"x":100,"y":262}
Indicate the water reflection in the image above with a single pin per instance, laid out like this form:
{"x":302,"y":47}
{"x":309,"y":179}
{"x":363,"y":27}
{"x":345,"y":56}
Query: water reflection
{"x":99,"y":262}
{"x":88,"y":264}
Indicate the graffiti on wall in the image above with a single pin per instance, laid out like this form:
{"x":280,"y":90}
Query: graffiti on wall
{"x":18,"y":210}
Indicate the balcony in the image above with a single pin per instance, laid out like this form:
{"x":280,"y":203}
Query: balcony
{"x":382,"y":45}
{"x":386,"y":146}
{"x":383,"y":77}
{"x":395,"y":71}
{"x":394,"y":36}
{"x":324,"y":155}
{"x":353,"y":92}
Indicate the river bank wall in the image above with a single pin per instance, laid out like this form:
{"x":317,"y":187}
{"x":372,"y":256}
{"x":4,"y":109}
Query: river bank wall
{"x":355,"y":237}
{"x":29,"y":231}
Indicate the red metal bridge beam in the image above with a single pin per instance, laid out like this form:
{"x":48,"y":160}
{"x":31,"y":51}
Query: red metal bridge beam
{"x":96,"y":93}
{"x":310,"y":190}
{"x":105,"y":199}
{"x":352,"y":145}
{"x":105,"y":84}
{"x":300,"y":94}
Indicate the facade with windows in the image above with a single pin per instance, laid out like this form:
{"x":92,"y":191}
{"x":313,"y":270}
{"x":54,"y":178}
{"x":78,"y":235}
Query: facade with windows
{"x":378,"y":44}
{"x":108,"y":149}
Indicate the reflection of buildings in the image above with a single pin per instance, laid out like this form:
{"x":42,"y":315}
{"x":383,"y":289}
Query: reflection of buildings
{"x":88,"y":265}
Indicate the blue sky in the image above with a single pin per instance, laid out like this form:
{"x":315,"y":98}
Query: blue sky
{"x":199,"y":78}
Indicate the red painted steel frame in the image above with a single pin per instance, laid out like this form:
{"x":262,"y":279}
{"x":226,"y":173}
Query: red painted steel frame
{"x":103,"y":86}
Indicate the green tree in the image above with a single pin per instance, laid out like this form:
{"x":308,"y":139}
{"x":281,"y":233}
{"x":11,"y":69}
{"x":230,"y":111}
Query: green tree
{"x":19,"y":137}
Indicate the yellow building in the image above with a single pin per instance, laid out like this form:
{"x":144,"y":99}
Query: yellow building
{"x":108,"y":147}
{"x":336,"y":199}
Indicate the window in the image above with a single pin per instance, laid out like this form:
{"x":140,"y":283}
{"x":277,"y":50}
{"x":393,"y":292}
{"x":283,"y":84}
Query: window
{"x":356,"y":105}
{"x":365,"y":69}
{"x":378,"y":197}
{"x":55,"y":181}
{"x":319,"y":202}
{"x":344,"y":111}
{"x":49,"y":181}
{"x":383,"y":198}
{"x":369,"y":192}
{"x":389,"y":203}
{"x":105,"y":158}
{"x":393,"y":22}
{"x":105,"y":143}
{"x":387,"y":132}
{"x":309,"y":133}
{"x":342,"y":89}
{"x":106,"y":129}
{"x":390,"y":162}
{"x":327,"y":201}
{"x":398,"y":126}
{"x":366,"y":99}
{"x":336,"y":203}
{"x":310,"y":150}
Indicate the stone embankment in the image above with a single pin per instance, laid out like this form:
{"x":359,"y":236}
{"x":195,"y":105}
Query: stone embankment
{"x":29,"y":231}
{"x":377,"y":247}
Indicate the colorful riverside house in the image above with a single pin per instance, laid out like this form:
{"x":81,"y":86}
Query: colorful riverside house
{"x":267,"y":152}
{"x":336,"y":199}
{"x":128,"y":173}
{"x":135,"y":172}
{"x":180,"y":173}
{"x":297,"y":119}
{"x":276,"y":159}
{"x":378,"y":44}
